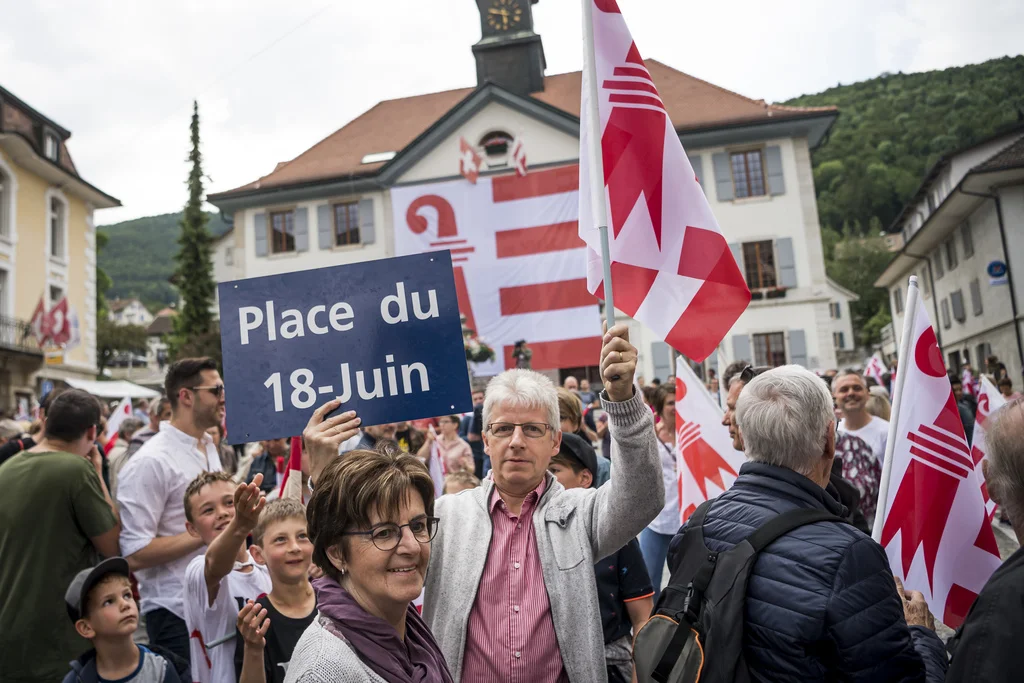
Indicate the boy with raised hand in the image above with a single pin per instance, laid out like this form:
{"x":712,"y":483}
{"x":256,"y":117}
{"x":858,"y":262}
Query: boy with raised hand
{"x":273,"y":624}
{"x":218,"y":583}
{"x":100,"y":603}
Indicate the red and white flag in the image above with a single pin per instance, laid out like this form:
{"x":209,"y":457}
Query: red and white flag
{"x":469,"y":161}
{"x":119,"y":414}
{"x":436,"y":466}
{"x":936,"y":531}
{"x":671,"y":267}
{"x":41,"y":323}
{"x":60,"y":330}
{"x":875,"y":368}
{"x":518,"y":156}
{"x":291,"y":483}
{"x":989,"y":401}
{"x":707,"y":462}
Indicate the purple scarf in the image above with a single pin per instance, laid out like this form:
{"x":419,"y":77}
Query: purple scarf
{"x":417,"y":660}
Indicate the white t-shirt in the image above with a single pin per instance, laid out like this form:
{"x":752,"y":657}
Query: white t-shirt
{"x":206,"y":624}
{"x":875,"y":434}
{"x":667,"y":521}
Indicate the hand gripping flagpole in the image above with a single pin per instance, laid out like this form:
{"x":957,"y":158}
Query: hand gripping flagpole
{"x":906,"y":342}
{"x":598,"y":207}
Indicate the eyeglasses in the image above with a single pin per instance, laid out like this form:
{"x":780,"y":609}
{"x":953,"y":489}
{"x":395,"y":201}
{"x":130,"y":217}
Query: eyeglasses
{"x":387,"y":536}
{"x":531,"y":430}
{"x":216,"y":390}
{"x":750,"y":372}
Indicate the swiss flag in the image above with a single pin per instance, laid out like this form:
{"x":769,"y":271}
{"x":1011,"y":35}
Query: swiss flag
{"x":936,"y":531}
{"x":671,"y":267}
{"x":707,"y":462}
{"x":41,"y":323}
{"x":60,"y":331}
{"x":469,"y":161}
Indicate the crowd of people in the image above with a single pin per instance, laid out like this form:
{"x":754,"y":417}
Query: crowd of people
{"x":165,"y":555}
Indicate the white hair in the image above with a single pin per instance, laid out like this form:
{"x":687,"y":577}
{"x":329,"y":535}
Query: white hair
{"x":521,"y":389}
{"x":784,"y":415}
{"x":1004,"y":430}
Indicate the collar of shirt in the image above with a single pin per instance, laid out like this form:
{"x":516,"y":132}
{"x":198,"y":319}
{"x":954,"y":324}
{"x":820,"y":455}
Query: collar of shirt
{"x":531,"y":498}
{"x":184,"y":438}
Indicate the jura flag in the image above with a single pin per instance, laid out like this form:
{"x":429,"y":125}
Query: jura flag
{"x":671,"y":268}
{"x":875,"y":368}
{"x":519,"y":157}
{"x":936,"y":531}
{"x":707,"y":462}
{"x":989,"y":401}
{"x":123,"y":410}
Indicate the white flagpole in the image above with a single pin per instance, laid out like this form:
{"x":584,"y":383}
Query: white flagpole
{"x":598,"y":207}
{"x":909,"y":318}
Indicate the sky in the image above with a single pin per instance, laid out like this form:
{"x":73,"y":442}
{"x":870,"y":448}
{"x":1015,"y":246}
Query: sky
{"x":274,"y":78}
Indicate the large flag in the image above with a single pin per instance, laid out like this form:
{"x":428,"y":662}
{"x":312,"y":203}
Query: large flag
{"x":123,"y":411}
{"x":989,"y":401}
{"x":875,"y":368}
{"x":935,"y":531}
{"x":707,"y":462}
{"x":671,"y":268}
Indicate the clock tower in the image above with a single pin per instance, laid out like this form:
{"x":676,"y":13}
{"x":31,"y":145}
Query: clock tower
{"x":509,"y":53}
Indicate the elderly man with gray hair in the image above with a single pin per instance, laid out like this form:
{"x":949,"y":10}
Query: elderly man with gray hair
{"x":822,"y":603}
{"x":987,"y":646}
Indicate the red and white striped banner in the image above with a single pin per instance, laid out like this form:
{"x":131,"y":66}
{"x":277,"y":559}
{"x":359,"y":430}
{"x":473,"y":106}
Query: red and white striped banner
{"x":519,"y":263}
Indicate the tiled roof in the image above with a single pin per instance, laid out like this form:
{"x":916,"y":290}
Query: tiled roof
{"x":1011,"y":157}
{"x":391,"y":125}
{"x":162,"y":324}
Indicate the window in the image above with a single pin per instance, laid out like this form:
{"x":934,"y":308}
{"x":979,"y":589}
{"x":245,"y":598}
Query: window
{"x":496,"y":145}
{"x":838,"y":341}
{"x":759,"y":262}
{"x":747,"y":174}
{"x":5,"y":196}
{"x":51,"y":147}
{"x":951,"y":260}
{"x":770,"y":349}
{"x":938,"y":265}
{"x":968,"y":239}
{"x":56,"y":294}
{"x":924,"y":280}
{"x":229,"y":256}
{"x":346,"y":224}
{"x":835,"y":310}
{"x":976,"y":297}
{"x":58,"y":223}
{"x":282,"y":232}
{"x":897,"y":299}
{"x":946,"y":323}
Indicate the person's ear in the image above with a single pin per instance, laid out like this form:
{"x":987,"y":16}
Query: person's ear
{"x":993,"y":491}
{"x":92,"y":433}
{"x":257,"y":555}
{"x":337,"y":558}
{"x":85,"y":629}
{"x":487,"y":443}
{"x":191,"y":529}
{"x":556,"y":442}
{"x":586,"y":479}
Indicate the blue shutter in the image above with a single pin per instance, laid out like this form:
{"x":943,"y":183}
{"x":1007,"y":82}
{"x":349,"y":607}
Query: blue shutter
{"x":956,"y":300}
{"x":367,"y":233}
{"x":786,"y":261}
{"x":741,"y":348}
{"x":737,"y":254}
{"x":260,"y":233}
{"x":661,"y":354}
{"x":797,"y":348}
{"x":301,"y":229}
{"x":723,"y":177}
{"x":323,"y":226}
{"x":698,"y":169}
{"x":773,"y":167}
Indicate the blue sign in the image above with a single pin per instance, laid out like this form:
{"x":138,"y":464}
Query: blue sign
{"x":383,"y":336}
{"x":997,"y":273}
{"x":45,"y":387}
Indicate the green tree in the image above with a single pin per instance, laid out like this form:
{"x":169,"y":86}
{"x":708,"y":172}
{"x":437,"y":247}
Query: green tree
{"x":855,"y":263}
{"x":112,"y":339}
{"x":103,"y":281}
{"x":194,"y":273}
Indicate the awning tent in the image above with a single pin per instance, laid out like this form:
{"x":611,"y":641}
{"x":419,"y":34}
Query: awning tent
{"x":114,"y":389}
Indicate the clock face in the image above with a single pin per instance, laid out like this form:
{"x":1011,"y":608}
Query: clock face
{"x":504,"y":15}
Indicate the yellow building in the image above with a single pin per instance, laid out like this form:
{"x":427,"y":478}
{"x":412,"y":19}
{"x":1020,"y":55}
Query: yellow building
{"x":47,"y":252}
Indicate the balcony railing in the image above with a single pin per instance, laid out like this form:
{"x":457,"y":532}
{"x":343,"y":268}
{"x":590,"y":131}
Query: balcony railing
{"x":17,"y":335}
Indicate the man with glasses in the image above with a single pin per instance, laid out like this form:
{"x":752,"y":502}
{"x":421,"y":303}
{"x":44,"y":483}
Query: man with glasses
{"x":151,"y":490}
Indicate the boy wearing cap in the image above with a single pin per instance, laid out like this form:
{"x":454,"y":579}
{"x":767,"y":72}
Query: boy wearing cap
{"x":101,"y":606}
{"x":624,"y":590}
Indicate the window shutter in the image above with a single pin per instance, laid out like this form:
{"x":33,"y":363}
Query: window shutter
{"x":260,"y":233}
{"x":797,"y":347}
{"x":741,"y":348}
{"x":324,"y":226}
{"x":839,"y":310}
{"x":938,"y":264}
{"x":737,"y":254}
{"x":367,"y":233}
{"x":723,"y":177}
{"x":301,"y":229}
{"x":945,"y":314}
{"x":976,"y":297}
{"x":786,"y":261}
{"x":698,"y":169}
{"x":956,"y":299}
{"x":773,"y":166}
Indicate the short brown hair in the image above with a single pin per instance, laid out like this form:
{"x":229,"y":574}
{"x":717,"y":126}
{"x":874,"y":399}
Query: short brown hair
{"x":197,"y":484}
{"x":569,"y":407}
{"x":277,"y":511}
{"x":183,"y":374}
{"x":565,"y":461}
{"x":71,"y":414}
{"x":350,"y":488}
{"x":660,"y":396}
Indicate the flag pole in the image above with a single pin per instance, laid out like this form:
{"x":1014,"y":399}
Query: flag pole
{"x":598,"y":207}
{"x":909,"y":318}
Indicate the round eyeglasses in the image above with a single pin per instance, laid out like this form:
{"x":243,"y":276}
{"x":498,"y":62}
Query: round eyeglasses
{"x":387,"y":536}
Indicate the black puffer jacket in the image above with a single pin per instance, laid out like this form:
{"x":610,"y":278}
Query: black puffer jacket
{"x":821,"y":601}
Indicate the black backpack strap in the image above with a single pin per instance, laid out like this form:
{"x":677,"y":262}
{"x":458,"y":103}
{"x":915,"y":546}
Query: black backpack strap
{"x":786,"y":522}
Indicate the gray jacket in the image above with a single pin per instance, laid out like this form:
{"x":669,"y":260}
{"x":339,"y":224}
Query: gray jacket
{"x":573,"y":528}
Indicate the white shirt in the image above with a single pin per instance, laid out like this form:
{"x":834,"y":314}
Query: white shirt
{"x":667,"y":521}
{"x":875,"y":434}
{"x":150,"y":490}
{"x":206,"y":623}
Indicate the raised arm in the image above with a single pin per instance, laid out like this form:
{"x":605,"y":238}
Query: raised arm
{"x":223,"y":550}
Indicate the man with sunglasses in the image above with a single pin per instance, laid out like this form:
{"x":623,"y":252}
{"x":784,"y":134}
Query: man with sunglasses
{"x":151,"y":490}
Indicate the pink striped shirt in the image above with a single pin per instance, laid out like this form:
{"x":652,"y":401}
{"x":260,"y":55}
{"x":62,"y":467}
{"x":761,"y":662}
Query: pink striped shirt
{"x":510,"y":637}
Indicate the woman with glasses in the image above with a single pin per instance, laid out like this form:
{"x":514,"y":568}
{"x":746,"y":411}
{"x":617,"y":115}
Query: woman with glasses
{"x":371,"y":523}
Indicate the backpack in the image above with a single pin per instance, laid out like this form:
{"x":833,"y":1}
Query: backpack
{"x":696,"y":630}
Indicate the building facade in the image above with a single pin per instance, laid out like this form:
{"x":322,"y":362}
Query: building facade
{"x":47,"y":252}
{"x":963,"y":237}
{"x":331,"y":204}
{"x":129,"y":312}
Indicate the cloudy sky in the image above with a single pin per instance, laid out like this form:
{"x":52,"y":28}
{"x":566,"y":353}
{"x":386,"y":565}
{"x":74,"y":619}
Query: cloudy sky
{"x":272,"y":78}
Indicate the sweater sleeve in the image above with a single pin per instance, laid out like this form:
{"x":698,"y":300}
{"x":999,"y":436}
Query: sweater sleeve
{"x":635,"y":494}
